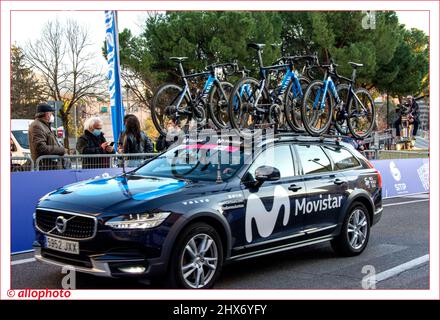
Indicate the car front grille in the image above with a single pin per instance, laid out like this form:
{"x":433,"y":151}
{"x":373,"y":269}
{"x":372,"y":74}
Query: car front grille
{"x":78,"y":227}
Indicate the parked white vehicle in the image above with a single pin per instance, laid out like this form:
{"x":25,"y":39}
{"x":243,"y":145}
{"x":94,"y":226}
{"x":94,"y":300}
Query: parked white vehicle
{"x":20,"y":137}
{"x":20,"y":142}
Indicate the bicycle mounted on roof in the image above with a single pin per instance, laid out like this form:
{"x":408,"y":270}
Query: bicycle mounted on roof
{"x":253,"y":104}
{"x":175,"y":103}
{"x":294,"y":103}
{"x":354,"y":109}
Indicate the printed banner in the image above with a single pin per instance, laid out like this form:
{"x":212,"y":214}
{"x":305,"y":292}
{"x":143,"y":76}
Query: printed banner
{"x":403,"y":176}
{"x":28,"y":187}
{"x":114,"y":74}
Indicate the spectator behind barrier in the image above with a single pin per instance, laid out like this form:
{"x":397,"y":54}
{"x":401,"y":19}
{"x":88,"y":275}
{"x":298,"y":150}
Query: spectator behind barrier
{"x":42,"y":140}
{"x":94,"y":142}
{"x":165,"y":141}
{"x":122,"y":134}
{"x":134,"y":140}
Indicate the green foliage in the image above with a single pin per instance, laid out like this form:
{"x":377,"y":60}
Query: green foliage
{"x":411,"y":61}
{"x":203,"y":37}
{"x":26,"y":91}
{"x":395,"y":59}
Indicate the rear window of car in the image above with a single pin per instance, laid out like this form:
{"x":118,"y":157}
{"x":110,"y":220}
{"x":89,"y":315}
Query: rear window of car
{"x":342,"y":158}
{"x":313,"y":159}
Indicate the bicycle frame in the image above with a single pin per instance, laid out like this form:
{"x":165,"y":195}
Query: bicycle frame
{"x":289,"y":76}
{"x":329,"y":84}
{"x":211,"y":81}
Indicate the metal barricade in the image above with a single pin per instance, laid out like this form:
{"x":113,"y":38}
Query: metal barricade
{"x":92,"y":161}
{"x":402,"y":154}
{"x":19,"y":164}
{"x":370,"y":154}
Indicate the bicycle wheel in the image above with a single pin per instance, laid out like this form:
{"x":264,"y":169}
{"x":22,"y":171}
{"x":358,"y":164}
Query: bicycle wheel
{"x":339,"y":113}
{"x":242,"y":114}
{"x":361,"y":114}
{"x":293,"y":102}
{"x":164,"y":109}
{"x":218,"y":105}
{"x":316,"y":118}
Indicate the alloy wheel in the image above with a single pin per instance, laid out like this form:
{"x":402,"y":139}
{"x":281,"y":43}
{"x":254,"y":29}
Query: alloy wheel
{"x":199,"y":261}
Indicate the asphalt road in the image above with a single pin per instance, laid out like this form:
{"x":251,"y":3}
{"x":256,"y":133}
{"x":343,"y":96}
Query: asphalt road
{"x":397,"y":251}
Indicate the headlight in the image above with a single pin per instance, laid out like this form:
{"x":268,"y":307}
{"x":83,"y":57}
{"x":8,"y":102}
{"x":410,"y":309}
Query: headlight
{"x":138,"y":221}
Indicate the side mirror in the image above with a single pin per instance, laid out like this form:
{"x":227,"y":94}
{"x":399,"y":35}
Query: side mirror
{"x":13,"y":147}
{"x":267,"y":173}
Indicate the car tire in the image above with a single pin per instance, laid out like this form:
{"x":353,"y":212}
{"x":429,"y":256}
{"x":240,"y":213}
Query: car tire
{"x":355,"y":232}
{"x":198,"y":254}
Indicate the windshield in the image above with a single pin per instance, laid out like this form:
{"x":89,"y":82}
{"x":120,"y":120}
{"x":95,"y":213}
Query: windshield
{"x":207,"y":162}
{"x":22,"y":138}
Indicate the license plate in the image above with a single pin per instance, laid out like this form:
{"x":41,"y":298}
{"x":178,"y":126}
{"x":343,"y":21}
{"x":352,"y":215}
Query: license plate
{"x":62,"y":245}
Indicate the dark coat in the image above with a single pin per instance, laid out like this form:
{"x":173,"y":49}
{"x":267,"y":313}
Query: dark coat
{"x":162,"y":143}
{"x":88,"y":143}
{"x":42,"y":141}
{"x":415,"y":110}
{"x":130,"y":145}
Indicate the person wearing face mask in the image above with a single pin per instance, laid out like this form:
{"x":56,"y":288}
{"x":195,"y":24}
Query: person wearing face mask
{"x":94,"y":142}
{"x":43,"y":141}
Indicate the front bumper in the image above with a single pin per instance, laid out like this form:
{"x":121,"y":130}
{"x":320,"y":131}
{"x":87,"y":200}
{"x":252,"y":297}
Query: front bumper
{"x":98,"y":268}
{"x":115,"y":263}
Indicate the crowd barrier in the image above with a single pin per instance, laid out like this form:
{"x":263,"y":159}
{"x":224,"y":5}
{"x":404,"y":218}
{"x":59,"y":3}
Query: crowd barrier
{"x":79,"y":161}
{"x":400,"y":177}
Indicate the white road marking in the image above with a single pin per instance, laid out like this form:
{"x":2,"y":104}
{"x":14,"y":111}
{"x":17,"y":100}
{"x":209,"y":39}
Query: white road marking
{"x":405,"y":202}
{"x":419,"y":196}
{"x":399,"y":269}
{"x":15,"y":262}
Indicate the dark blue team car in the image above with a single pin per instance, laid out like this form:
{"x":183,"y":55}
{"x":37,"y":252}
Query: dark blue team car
{"x":185,"y":213}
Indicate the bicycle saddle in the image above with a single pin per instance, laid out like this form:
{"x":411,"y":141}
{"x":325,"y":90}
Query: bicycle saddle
{"x":355,"y":65}
{"x":256,"y":46}
{"x":178,"y":59}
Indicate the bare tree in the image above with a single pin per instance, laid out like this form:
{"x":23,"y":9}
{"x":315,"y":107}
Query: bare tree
{"x":62,"y":58}
{"x":139,"y":86}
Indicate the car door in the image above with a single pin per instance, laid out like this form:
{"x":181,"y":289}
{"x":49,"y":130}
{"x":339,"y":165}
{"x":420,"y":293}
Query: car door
{"x":326,"y":189}
{"x":268,"y":208}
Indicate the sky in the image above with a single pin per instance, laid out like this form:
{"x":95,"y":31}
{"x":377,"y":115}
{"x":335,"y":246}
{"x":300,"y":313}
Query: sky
{"x":133,"y":20}
{"x":94,"y":20}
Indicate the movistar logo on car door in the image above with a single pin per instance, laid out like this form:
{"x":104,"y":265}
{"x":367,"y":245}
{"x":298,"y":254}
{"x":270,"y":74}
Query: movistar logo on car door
{"x":266,"y":220}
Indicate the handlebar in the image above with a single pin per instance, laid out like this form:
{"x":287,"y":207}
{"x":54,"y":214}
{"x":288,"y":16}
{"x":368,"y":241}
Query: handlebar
{"x":225,"y":67}
{"x":293,"y":59}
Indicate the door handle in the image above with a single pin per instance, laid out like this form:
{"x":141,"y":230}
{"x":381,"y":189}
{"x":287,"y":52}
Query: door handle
{"x":339,"y":181}
{"x":294,"y":187}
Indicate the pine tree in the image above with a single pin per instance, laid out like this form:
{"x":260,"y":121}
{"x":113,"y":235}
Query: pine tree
{"x":26,"y":91}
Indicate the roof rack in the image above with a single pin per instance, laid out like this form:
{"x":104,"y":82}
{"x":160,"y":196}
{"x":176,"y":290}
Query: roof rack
{"x":280,"y":134}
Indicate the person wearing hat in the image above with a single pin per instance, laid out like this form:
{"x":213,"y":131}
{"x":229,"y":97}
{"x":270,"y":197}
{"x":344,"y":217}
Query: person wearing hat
{"x":42,"y":140}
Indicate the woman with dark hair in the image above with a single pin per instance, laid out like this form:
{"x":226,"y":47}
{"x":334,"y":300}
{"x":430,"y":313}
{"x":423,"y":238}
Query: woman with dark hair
{"x":122,"y":134}
{"x":135,"y":140}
